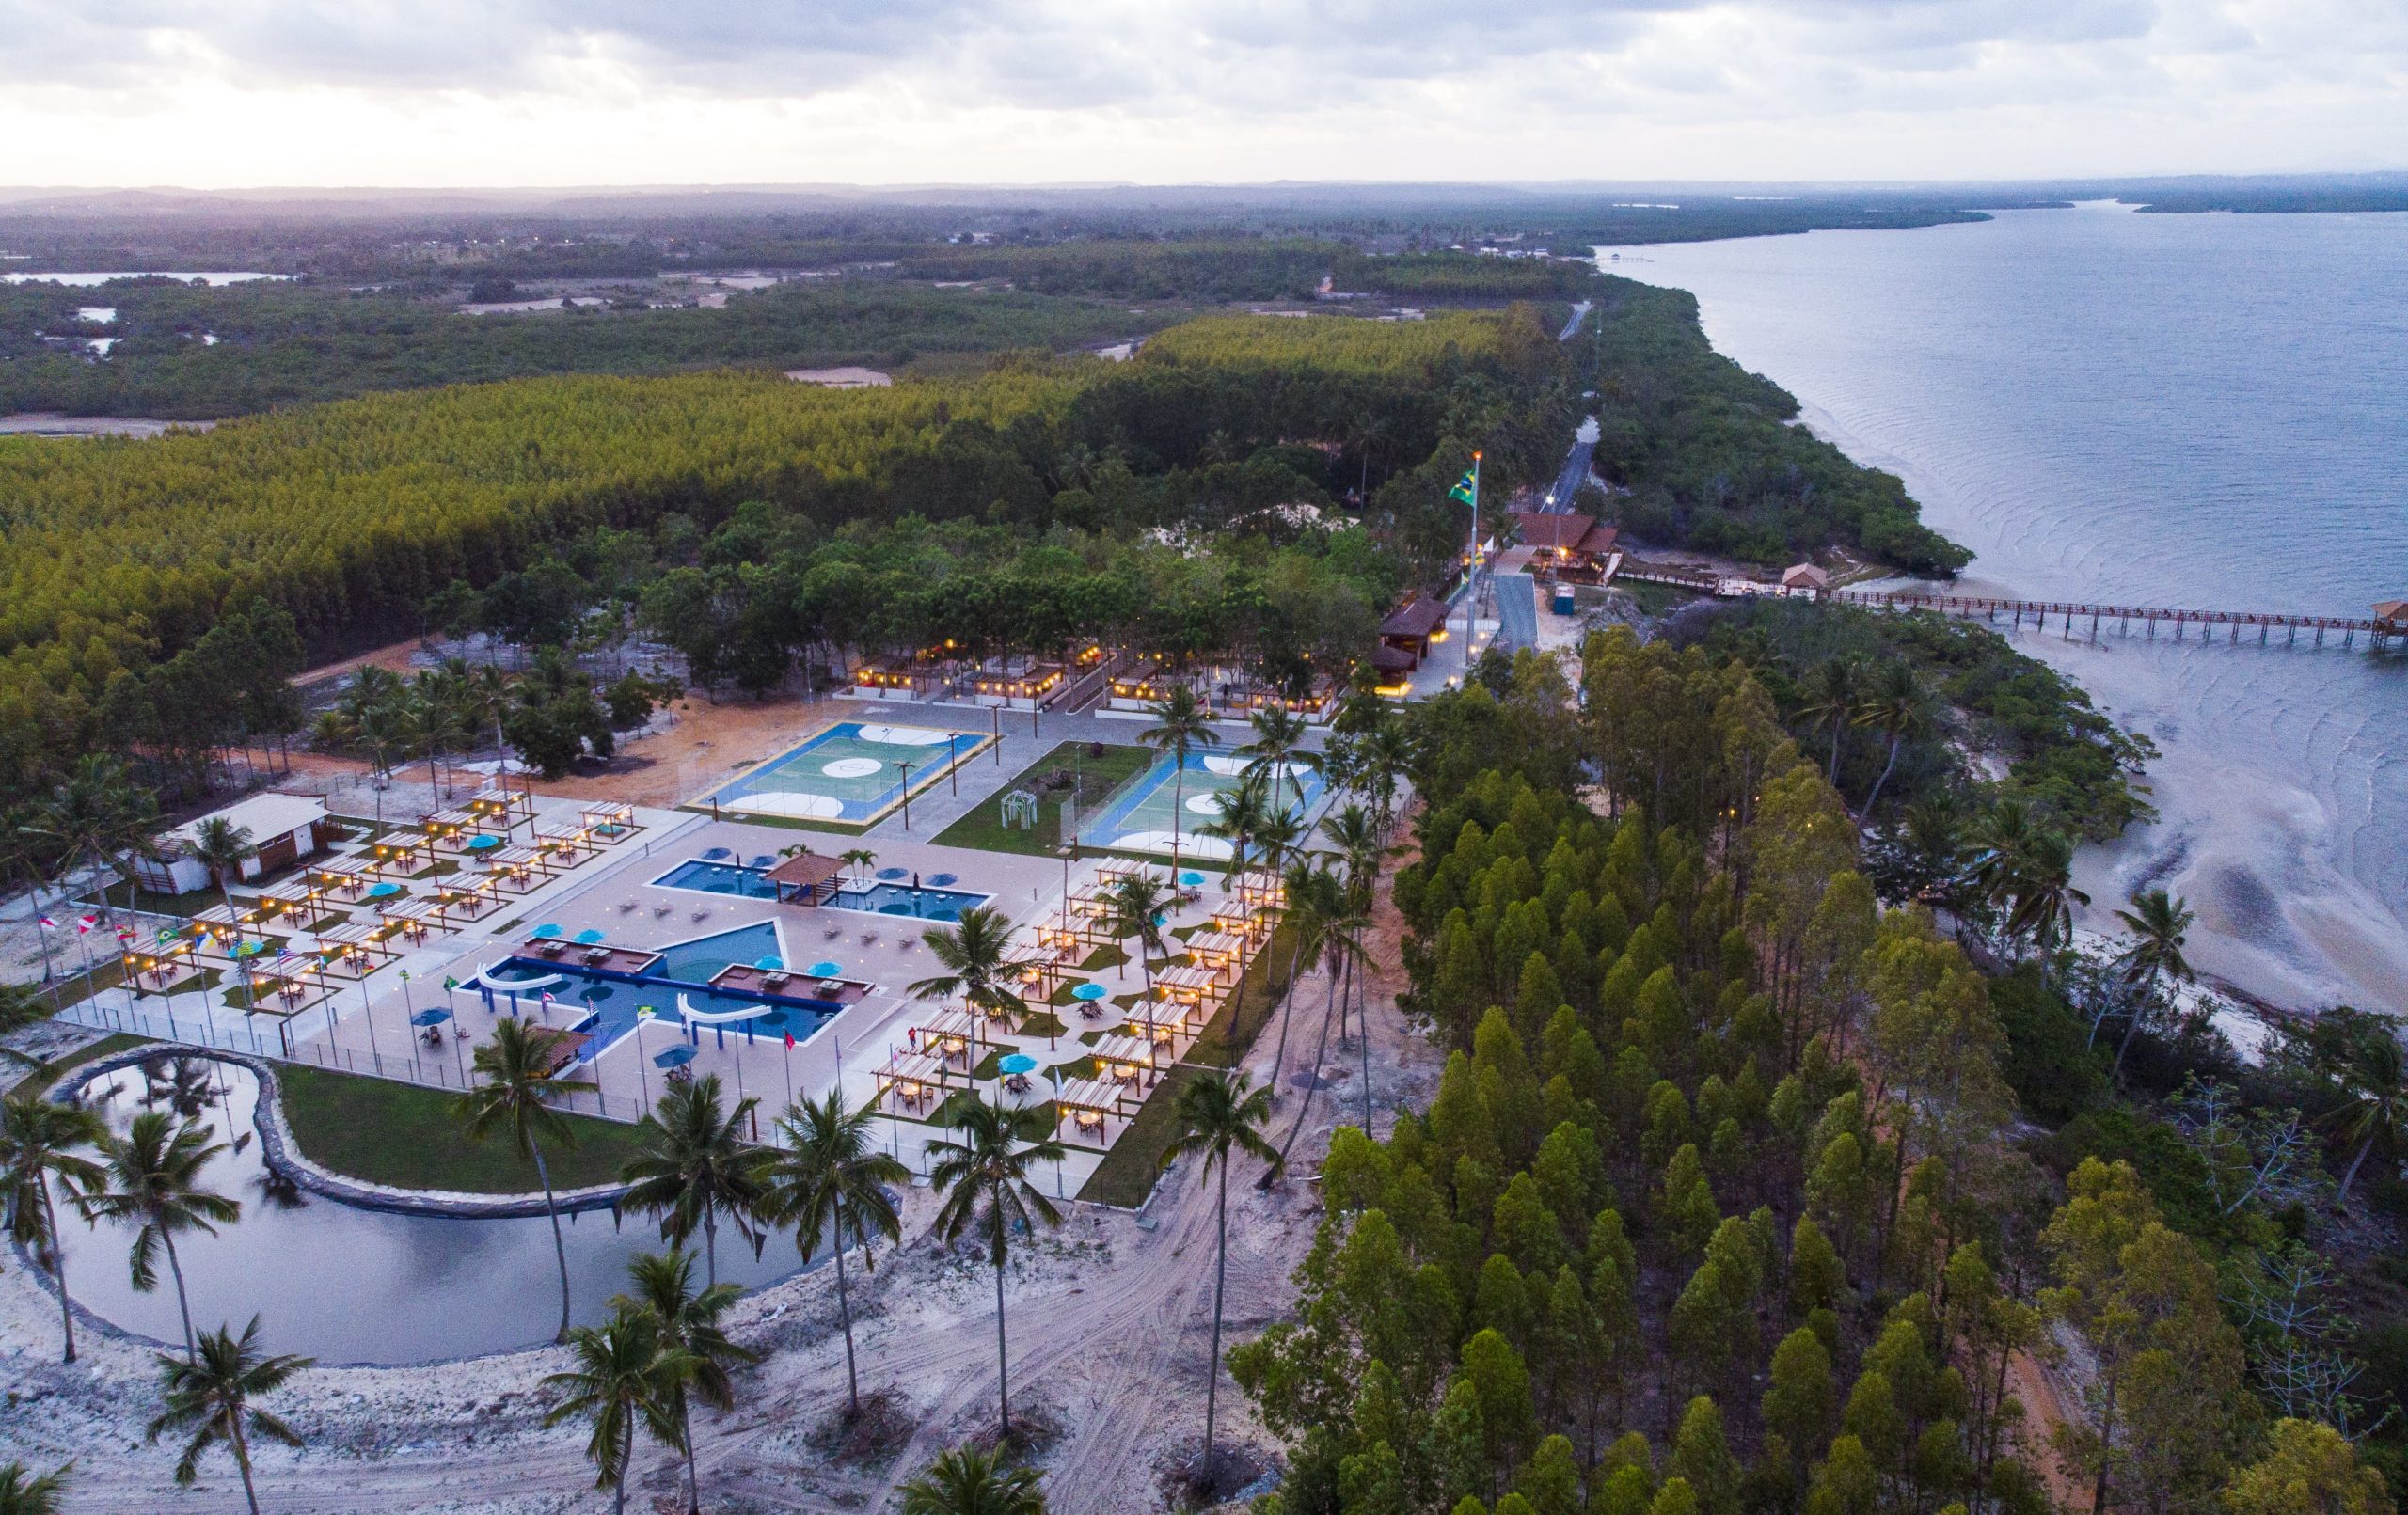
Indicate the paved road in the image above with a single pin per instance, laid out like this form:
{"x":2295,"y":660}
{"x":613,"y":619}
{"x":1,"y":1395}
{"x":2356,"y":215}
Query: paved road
{"x":1517,"y":611}
{"x":1572,"y":326}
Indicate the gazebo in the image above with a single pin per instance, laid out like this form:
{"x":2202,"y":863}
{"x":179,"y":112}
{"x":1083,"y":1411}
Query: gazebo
{"x":806,"y":878}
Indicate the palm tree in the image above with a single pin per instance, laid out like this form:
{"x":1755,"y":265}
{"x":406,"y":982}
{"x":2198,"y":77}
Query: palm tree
{"x":1180,"y":725}
{"x":1134,"y":906}
{"x":1831,"y":698}
{"x":2373,"y":1077}
{"x":625,"y":1373}
{"x":426,"y":718}
{"x":2045,"y":896}
{"x":2002,"y":842}
{"x":696,"y":1166}
{"x":1387,"y":757}
{"x":859,"y":860}
{"x":985,"y":1180}
{"x":1341,"y":942}
{"x":210,"y":1396}
{"x":22,"y":1493}
{"x":1898,"y":708}
{"x":1275,"y":753}
{"x":975,"y":952}
{"x":22,"y":850}
{"x":516,"y":1097}
{"x":371,"y":704}
{"x":966,"y":1481}
{"x":2159,"y":924}
{"x":1361,"y":845}
{"x":1314,"y":899}
{"x":223,"y":847}
{"x":97,"y":815}
{"x":688,"y":1323}
{"x":485,"y":698}
{"x":830,"y":1180}
{"x":1243,"y":812}
{"x":1220,"y":1115}
{"x":154,"y":1182}
{"x":41,"y":1141}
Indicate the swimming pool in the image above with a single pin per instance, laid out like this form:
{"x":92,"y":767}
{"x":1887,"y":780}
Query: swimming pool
{"x":607,"y":1006}
{"x":902,"y":899}
{"x":1161,"y":808}
{"x":847,"y":772}
{"x":718,"y":879}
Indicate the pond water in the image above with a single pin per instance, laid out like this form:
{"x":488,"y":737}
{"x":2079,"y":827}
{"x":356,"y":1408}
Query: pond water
{"x":353,"y":1285}
{"x":82,"y":282}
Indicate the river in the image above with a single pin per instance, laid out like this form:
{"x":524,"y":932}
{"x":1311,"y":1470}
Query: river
{"x":2178,"y":410}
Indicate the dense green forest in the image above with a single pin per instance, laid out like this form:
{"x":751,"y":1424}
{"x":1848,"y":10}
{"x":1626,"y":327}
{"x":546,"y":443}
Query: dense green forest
{"x":281,"y":344}
{"x":119,"y":556}
{"x":1707,"y":457}
{"x":1718,"y":1206}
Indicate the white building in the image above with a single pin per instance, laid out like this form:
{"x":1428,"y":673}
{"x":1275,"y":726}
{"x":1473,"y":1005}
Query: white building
{"x":284,"y":830}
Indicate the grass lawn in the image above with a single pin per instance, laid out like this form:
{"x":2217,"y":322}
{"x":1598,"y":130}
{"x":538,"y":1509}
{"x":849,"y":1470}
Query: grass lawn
{"x":402,"y":1135}
{"x":1128,"y":1171}
{"x":1095,"y":777}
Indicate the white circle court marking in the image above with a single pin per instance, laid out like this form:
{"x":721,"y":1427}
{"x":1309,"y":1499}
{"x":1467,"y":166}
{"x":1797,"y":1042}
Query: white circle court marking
{"x":1205,"y":804}
{"x":855,"y":767}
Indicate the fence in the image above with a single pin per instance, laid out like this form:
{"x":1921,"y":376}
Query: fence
{"x":446,"y":1067}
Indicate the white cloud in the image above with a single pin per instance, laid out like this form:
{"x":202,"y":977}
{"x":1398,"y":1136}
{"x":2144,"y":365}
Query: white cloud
{"x":601,"y":92}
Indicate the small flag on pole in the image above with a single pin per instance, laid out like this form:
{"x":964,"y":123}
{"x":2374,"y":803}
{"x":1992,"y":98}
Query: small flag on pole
{"x":49,"y":924}
{"x":449,"y":982}
{"x":1466,"y":489}
{"x":789,"y":1041}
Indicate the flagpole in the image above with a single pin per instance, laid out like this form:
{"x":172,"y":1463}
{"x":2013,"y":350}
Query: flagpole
{"x":1471,"y":572}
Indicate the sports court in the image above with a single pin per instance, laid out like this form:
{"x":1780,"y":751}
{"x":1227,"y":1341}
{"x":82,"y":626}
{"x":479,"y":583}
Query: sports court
{"x":1160,"y":809}
{"x":852,"y":771}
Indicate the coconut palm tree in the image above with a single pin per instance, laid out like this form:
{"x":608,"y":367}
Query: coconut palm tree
{"x":1361,"y":847}
{"x":695,"y":1166}
{"x":426,"y":720}
{"x":516,"y":1099}
{"x":41,"y":1143}
{"x":2160,"y":925}
{"x":624,"y":1375}
{"x":1314,"y":898}
{"x":486,"y":699}
{"x":975,"y":952}
{"x":98,"y":816}
{"x":985,"y":1179}
{"x":1898,"y":708}
{"x":1135,"y":906}
{"x":2045,"y":896}
{"x":688,"y":1323}
{"x":2372,"y":1076}
{"x":1833,"y":692}
{"x":859,"y":860}
{"x":153,"y":1182}
{"x":2001,"y":843}
{"x":1342,"y":941}
{"x":370,"y":705}
{"x":1276,"y":750}
{"x":1220,"y":1115}
{"x":830,"y":1180}
{"x":24,"y":850}
{"x":223,"y":847}
{"x":1181,"y":724}
{"x":966,"y":1481}
{"x":210,"y":1394}
{"x":22,"y":1493}
{"x":1243,"y":812}
{"x":1387,"y":758}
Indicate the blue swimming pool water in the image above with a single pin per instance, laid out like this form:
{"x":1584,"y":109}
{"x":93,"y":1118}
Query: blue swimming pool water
{"x":613,"y":1003}
{"x":718,"y":879}
{"x":902,"y":899}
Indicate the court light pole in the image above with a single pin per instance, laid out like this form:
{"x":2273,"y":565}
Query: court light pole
{"x":906,"y":792}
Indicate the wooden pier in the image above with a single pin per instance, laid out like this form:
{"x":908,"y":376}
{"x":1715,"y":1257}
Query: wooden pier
{"x":2382,"y":632}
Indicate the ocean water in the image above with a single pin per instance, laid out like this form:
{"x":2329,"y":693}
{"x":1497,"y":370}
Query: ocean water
{"x":2181,"y":410}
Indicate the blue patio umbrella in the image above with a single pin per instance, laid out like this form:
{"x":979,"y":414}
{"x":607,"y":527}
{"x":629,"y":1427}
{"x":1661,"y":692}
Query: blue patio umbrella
{"x":1018,"y":1063}
{"x":384,"y":892}
{"x":1191,"y":878}
{"x":431,"y":1018}
{"x":715,"y":854}
{"x":769,"y":964}
{"x":589,"y":935}
{"x":483,"y":843}
{"x":895,"y":873}
{"x":763,"y":859}
{"x":549,"y":928}
{"x":675,"y":1057}
{"x":825,"y":968}
{"x":940,"y":881}
{"x":1089,"y":990}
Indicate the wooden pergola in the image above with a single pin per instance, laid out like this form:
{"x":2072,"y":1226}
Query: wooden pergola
{"x":1223,"y":951}
{"x":401,"y":853}
{"x":355,"y":948}
{"x":953,"y":1034}
{"x":1089,"y":1105}
{"x":915,"y":1080}
{"x":609,"y":824}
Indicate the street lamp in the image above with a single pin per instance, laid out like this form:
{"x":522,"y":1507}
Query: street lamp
{"x":906,"y":792}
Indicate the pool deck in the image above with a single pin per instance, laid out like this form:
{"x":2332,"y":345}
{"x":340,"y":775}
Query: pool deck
{"x":880,"y":957}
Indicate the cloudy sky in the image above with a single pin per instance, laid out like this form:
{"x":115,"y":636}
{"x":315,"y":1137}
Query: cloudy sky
{"x":523,"y":93}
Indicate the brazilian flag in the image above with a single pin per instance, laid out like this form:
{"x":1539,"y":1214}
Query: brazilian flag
{"x":1466,"y":488}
